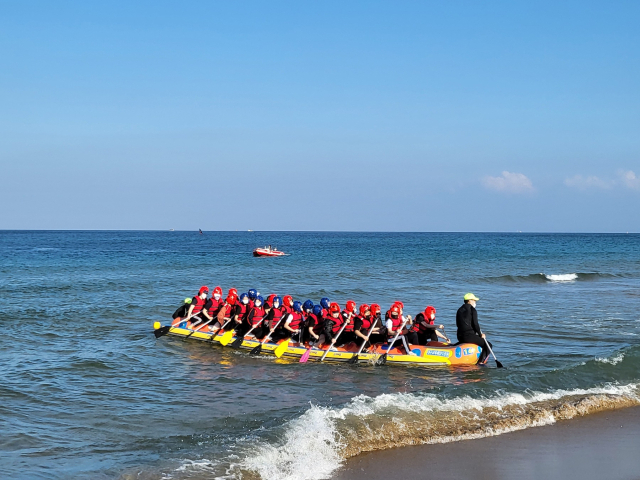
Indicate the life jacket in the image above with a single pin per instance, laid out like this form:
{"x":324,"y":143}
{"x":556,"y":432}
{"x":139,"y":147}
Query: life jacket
{"x":277,"y":315}
{"x":351,"y":325}
{"x":251,"y":303}
{"x":215,"y":306}
{"x":198,"y":304}
{"x":417,"y":324}
{"x":317,"y":323}
{"x":296,"y":321}
{"x":258,"y":315}
{"x":242,"y":310}
{"x":366,"y":323}
{"x":286,"y":309}
{"x":337,"y":323}
{"x":397,"y":322}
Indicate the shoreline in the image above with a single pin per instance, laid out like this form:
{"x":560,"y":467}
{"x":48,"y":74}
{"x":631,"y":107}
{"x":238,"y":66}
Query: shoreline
{"x":596,"y":446}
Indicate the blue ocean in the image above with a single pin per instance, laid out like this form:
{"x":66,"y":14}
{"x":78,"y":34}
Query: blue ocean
{"x":88,"y":392}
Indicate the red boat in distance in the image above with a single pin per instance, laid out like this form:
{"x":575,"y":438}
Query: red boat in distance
{"x":267,"y":252}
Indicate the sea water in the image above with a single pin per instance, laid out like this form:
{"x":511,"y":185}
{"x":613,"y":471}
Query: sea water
{"x":88,"y":392}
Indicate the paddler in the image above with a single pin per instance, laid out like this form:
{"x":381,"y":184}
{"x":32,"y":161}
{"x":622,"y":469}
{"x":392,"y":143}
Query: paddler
{"x":182,"y":310}
{"x":376,"y":317}
{"x":348,"y":315}
{"x":274,"y":317}
{"x":226,"y":313}
{"x":198,"y":304}
{"x":315,"y":325}
{"x":425,"y":328}
{"x":325,"y":303}
{"x":469,"y":328}
{"x":255,"y":318}
{"x":253,"y":293}
{"x":362,"y":324}
{"x":395,"y":325}
{"x":294,"y":323}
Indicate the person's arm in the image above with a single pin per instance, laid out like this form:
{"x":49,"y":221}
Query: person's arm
{"x":287,"y":323}
{"x":389,"y":326}
{"x":328,"y":329}
{"x":474,"y":322}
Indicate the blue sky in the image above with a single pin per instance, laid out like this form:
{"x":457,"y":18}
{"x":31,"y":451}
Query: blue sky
{"x":409,"y":116}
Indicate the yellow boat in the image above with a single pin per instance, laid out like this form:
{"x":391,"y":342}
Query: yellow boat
{"x":436,"y":353}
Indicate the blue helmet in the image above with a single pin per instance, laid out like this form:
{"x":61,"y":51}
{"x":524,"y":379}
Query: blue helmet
{"x":244,"y":298}
{"x":277,"y":301}
{"x":259,"y":301}
{"x":253,"y":293}
{"x":308,"y":305}
{"x":317,"y":310}
{"x":325,"y":302}
{"x":297,"y":306}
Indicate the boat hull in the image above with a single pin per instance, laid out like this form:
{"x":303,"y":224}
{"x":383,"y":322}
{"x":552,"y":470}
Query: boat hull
{"x":434,"y":354}
{"x":260,"y":252}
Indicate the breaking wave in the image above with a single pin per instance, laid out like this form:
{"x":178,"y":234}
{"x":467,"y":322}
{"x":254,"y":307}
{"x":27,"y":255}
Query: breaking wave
{"x":400,"y":419}
{"x":549,"y":277}
{"x":613,"y":360}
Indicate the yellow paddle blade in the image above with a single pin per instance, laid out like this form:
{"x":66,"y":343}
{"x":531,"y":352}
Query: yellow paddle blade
{"x":226,"y":338}
{"x":280,"y":349}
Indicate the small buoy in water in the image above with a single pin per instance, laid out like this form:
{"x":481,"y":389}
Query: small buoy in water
{"x":156,"y":325}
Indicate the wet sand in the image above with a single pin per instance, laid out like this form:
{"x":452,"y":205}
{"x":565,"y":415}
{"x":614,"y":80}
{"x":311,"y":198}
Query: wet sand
{"x":599,"y":446}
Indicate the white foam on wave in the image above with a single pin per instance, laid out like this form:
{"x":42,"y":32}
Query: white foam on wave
{"x":325,"y":430}
{"x":565,"y":277}
{"x":613,"y":360}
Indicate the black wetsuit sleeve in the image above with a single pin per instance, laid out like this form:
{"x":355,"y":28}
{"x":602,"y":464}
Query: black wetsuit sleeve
{"x":357,"y":324}
{"x":474,"y":321}
{"x":250,"y":315}
{"x":328,"y":329}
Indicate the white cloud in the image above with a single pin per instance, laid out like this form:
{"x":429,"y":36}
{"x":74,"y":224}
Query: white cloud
{"x":629,"y":179}
{"x":583,"y":183}
{"x":508,"y":182}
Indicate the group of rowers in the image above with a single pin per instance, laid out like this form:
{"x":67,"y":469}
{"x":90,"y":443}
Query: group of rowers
{"x":249,"y":314}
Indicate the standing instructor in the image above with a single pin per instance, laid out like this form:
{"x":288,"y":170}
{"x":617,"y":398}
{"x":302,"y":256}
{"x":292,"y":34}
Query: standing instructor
{"x":468,"y":327}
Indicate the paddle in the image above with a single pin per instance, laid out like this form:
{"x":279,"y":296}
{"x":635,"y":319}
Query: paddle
{"x":258,"y":349}
{"x":305,"y":355}
{"x":238,"y":341}
{"x":280,"y":349}
{"x":204,"y":324}
{"x":214,"y":334}
{"x":498,"y":364}
{"x":382,"y":359}
{"x":336,"y":337}
{"x":167,"y":328}
{"x":354,"y":359}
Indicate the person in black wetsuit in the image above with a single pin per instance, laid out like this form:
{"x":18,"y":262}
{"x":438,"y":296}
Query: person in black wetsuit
{"x":468,"y":327}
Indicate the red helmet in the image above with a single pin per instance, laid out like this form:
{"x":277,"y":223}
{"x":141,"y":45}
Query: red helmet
{"x":428,"y":311}
{"x":375,"y":309}
{"x":351,"y":306}
{"x":204,"y":288}
{"x":399,"y":303}
{"x":363,"y":309}
{"x":233,"y":291}
{"x":395,"y":309}
{"x":287,"y":300}
{"x":231,"y":299}
{"x":334,"y":307}
{"x":217,"y":290}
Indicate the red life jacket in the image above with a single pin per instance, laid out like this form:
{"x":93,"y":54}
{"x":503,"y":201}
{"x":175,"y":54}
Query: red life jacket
{"x":337,"y":323}
{"x":366,"y":323}
{"x":215,"y":307}
{"x":351,"y":325}
{"x":242,"y":311}
{"x":317,"y":323}
{"x":251,"y":303}
{"x":258,"y":315}
{"x":198,"y":304}
{"x":396,"y":322}
{"x":418,"y":326}
{"x":296,"y":321}
{"x":277,"y":315}
{"x":287,"y":309}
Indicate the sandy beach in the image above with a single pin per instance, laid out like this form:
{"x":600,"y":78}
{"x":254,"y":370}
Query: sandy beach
{"x":600,"y":446}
